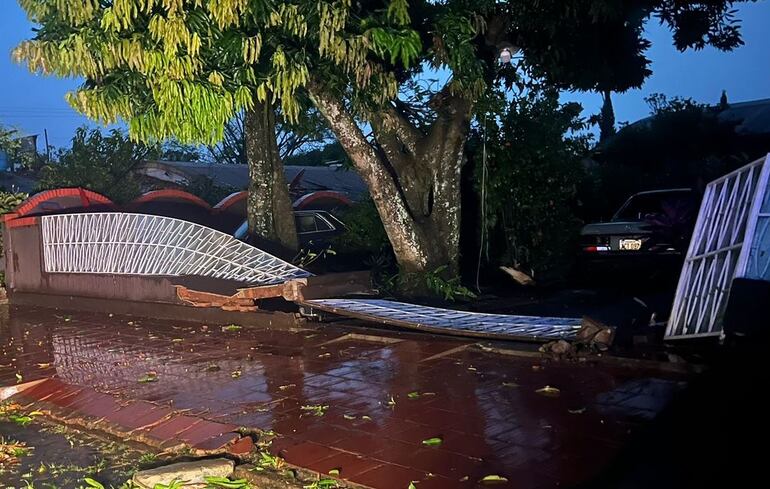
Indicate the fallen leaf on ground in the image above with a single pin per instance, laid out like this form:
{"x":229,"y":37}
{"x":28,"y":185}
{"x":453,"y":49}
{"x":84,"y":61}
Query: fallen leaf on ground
{"x":549,"y":391}
{"x":432,"y":442}
{"x":231,"y":327}
{"x":148,"y":377}
{"x":492,"y":479}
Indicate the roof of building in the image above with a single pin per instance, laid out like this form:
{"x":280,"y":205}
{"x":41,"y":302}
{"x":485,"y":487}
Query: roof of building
{"x":313,"y":178}
{"x":754,"y":116}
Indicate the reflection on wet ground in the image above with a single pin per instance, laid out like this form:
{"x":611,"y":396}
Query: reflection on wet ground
{"x":386,"y":395}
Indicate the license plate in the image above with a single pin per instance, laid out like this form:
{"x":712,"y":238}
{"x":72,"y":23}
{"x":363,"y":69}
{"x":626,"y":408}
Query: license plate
{"x":631,"y":244}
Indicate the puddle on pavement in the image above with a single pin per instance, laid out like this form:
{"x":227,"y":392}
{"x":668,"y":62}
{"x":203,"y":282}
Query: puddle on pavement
{"x":347,"y":402}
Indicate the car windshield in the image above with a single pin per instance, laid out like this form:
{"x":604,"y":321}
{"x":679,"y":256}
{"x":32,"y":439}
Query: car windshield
{"x":646,"y":206}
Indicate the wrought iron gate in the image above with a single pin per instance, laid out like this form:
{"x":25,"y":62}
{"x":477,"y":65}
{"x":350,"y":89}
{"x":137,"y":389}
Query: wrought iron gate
{"x":730,"y":239}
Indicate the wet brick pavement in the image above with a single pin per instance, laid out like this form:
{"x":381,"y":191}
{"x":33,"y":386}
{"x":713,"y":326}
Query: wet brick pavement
{"x":386,"y":394}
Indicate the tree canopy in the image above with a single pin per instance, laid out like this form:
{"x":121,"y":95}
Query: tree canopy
{"x":183,"y":68}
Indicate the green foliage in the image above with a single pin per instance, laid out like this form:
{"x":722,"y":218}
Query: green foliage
{"x":365,"y":231}
{"x":449,"y":289}
{"x":9,"y":201}
{"x":11,"y":143}
{"x":534,"y":169}
{"x":101,"y":162}
{"x":184,"y":69}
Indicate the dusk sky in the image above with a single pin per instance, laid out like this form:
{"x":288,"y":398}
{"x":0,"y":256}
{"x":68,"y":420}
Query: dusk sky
{"x":33,"y":103}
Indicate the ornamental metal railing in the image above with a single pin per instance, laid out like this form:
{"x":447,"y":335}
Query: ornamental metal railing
{"x":141,"y":244}
{"x":730,"y":240}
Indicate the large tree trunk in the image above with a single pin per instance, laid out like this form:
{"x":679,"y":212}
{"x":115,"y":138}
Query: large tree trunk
{"x":270,"y":215}
{"x":413,"y":177}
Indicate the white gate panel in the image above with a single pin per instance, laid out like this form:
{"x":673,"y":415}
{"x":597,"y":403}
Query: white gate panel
{"x":141,"y":244}
{"x":730,"y":225}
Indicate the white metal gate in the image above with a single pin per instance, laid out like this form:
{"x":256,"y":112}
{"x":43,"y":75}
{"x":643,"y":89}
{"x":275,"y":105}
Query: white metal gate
{"x":141,"y":244}
{"x":730,"y":239}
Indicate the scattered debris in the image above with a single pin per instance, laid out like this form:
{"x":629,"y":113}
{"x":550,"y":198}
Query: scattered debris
{"x":194,"y":474}
{"x":520,"y":277}
{"x":594,"y":335}
{"x":11,"y":451}
{"x":558,"y":349}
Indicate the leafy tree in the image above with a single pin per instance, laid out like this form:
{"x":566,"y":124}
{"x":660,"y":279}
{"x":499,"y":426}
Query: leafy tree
{"x":291,"y":137}
{"x":328,"y":153}
{"x":184,"y":67}
{"x":100,"y":162}
{"x":12,"y":146}
{"x":534,"y":167}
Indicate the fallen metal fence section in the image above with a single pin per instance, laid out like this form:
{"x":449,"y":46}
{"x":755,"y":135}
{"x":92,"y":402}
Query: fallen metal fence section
{"x":730,"y":240}
{"x":447,"y":321}
{"x":140,"y":244}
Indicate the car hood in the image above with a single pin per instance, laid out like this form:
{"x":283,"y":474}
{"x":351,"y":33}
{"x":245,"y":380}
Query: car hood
{"x":615,"y":228}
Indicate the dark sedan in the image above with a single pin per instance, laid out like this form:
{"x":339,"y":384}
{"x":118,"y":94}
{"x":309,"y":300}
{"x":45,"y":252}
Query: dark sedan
{"x":652,"y":229}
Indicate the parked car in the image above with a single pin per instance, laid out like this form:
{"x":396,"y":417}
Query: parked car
{"x":651,"y":229}
{"x":315,"y":229}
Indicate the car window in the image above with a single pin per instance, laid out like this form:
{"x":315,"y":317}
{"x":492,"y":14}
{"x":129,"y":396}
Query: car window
{"x":649,"y":206}
{"x":306,"y":223}
{"x":321,"y":224}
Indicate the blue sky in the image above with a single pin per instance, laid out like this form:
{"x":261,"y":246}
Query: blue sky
{"x":33,"y":103}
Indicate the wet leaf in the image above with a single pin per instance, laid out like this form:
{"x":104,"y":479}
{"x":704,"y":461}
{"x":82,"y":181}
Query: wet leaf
{"x":367,"y":418}
{"x":349,"y":417}
{"x":335,"y":472}
{"x":411,"y":486}
{"x":549,"y":391}
{"x":93,"y":483}
{"x":148,"y":377}
{"x":492,"y":479}
{"x":433,"y":442}
{"x":413,"y":395}
{"x":213,"y":367}
{"x":43,"y":365}
{"x":235,"y":374}
{"x":287,"y":386}
{"x":325,"y":355}
{"x":19,"y":378}
{"x":315,"y":409}
{"x":177,"y":340}
{"x":231,"y":328}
